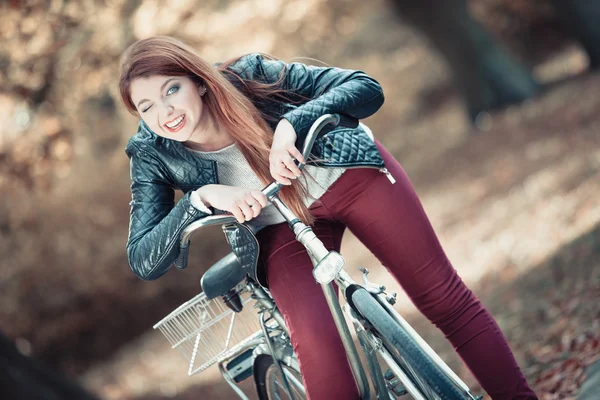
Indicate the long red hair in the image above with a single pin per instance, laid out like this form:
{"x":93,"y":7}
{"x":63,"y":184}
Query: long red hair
{"x":232,"y":108}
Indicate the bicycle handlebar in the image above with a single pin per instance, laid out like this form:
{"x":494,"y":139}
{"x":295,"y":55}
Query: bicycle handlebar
{"x":316,"y":130}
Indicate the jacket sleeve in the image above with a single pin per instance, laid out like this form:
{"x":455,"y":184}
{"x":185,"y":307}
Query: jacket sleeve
{"x":330,"y":90}
{"x":155,"y":222}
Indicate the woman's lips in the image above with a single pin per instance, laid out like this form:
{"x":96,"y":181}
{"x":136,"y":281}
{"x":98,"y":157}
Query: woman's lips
{"x":178,"y":126}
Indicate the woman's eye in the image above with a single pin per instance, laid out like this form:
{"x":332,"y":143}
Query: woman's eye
{"x":172,"y":89}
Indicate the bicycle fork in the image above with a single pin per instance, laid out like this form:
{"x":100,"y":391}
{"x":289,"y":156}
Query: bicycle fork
{"x":325,"y":272}
{"x":372,"y":346}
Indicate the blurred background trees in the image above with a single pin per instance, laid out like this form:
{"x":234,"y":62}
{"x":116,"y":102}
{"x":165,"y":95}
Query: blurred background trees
{"x":487,"y":75}
{"x":25,"y":378}
{"x":581,"y":17}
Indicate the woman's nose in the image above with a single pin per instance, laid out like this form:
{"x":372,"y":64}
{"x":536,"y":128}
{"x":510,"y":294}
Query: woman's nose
{"x":167,"y":110}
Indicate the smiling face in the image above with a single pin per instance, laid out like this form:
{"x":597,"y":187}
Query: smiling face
{"x":170,"y":105}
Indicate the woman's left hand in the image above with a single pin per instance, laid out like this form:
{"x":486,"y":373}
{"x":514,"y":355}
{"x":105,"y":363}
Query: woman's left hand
{"x":283,"y":153}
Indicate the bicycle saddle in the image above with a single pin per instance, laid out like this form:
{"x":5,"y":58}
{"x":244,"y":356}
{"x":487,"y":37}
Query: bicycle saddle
{"x":224,"y":275}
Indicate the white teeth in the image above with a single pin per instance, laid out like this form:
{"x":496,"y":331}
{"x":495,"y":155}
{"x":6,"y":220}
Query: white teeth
{"x":174,"y":124}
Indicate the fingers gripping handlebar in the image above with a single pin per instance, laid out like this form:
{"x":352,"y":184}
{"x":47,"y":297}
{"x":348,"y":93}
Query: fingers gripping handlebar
{"x":316,"y":130}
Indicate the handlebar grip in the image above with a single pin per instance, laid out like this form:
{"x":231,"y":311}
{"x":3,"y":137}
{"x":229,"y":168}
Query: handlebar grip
{"x":182,"y":259}
{"x":347,"y":121}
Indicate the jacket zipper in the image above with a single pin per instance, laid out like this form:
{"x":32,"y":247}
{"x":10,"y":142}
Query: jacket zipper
{"x":383,"y":170}
{"x":216,"y":171}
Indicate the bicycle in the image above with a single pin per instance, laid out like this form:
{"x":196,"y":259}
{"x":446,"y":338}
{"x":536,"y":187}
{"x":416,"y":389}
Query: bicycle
{"x":203,"y":328}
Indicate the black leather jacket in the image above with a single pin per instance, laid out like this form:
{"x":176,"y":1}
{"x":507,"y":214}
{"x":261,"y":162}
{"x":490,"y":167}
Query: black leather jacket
{"x":158,"y":166}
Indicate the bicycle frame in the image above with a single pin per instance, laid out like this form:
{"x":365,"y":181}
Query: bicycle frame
{"x":328,"y":268}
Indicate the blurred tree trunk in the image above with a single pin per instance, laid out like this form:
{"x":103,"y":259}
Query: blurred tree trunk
{"x":582,"y":18}
{"x":484,"y":72}
{"x":25,"y":378}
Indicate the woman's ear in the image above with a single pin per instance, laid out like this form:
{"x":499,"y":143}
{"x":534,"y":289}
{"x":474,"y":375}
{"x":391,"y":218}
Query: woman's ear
{"x":202,"y":89}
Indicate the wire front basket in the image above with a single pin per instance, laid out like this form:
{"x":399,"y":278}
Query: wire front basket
{"x":207,"y":331}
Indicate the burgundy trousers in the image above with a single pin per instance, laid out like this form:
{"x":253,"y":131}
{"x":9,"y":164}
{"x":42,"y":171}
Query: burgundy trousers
{"x":390,"y":221}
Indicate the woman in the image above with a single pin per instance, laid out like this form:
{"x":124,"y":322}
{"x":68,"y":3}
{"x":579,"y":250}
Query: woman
{"x":220,"y":134}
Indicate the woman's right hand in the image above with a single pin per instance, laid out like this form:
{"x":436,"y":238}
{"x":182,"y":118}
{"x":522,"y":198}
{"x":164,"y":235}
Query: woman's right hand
{"x":283,"y":153}
{"x":244,"y":204}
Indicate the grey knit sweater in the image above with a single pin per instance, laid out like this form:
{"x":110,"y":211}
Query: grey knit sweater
{"x":234,"y":170}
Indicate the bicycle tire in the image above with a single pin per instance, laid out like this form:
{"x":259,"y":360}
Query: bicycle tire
{"x":262,"y":364}
{"x":391,"y":332}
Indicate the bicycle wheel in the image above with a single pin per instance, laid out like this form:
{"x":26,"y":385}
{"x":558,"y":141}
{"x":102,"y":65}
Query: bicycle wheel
{"x":269,"y":384}
{"x":392,"y":334}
